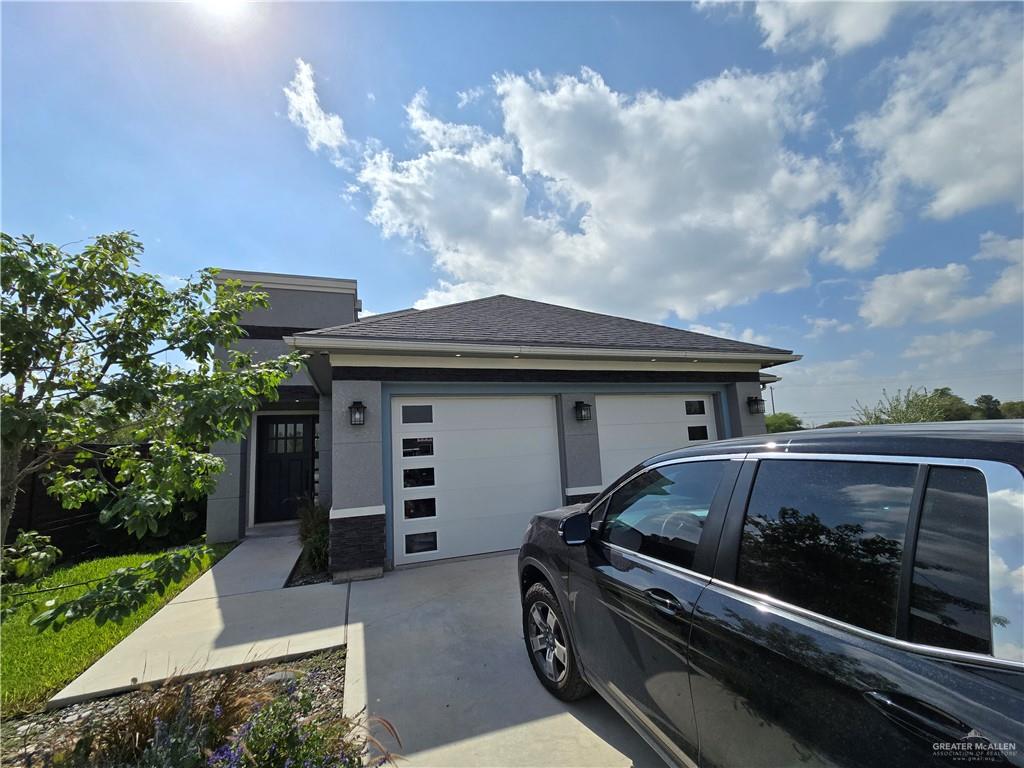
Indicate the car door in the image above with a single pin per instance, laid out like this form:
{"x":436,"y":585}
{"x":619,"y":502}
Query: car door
{"x":634,"y":589}
{"x":850,"y":621}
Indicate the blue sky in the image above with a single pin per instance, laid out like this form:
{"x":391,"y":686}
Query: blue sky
{"x":842,"y":180}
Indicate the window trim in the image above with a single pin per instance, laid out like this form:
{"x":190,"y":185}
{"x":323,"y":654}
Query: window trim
{"x":998,"y":476}
{"x":707,"y":548}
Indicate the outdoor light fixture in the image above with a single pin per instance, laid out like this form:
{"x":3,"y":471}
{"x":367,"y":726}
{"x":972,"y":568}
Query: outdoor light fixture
{"x":583,"y":412}
{"x":357,"y":413}
{"x":755,"y":404}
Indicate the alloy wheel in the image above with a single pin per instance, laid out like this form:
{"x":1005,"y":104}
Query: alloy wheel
{"x":547,"y":642}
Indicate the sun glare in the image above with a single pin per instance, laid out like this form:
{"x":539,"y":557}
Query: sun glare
{"x":222,"y":9}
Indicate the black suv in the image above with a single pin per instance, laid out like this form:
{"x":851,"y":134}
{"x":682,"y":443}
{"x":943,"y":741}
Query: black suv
{"x":831,"y":597}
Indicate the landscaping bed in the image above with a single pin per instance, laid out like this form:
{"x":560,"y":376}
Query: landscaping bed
{"x":307,"y":691}
{"x":35,"y":665}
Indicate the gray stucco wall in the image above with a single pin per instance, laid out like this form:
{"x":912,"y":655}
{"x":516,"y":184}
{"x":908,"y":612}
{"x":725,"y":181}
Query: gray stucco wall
{"x":743,"y":421}
{"x":303,"y":309}
{"x":357,"y":471}
{"x":326,"y":467}
{"x":223,"y":505}
{"x":268,"y":349}
{"x":579,"y":445}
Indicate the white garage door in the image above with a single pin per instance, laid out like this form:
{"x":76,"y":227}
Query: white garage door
{"x":633,"y":428}
{"x":469,"y":472}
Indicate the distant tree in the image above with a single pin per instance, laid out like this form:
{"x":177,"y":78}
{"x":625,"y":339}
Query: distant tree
{"x":783,"y":422}
{"x":1013,"y":409}
{"x":913,"y":405}
{"x":988,"y":407}
{"x":953,"y":407}
{"x":830,"y":424}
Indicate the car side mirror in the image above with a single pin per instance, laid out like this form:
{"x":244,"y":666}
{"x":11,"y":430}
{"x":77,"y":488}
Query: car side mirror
{"x":575,"y":529}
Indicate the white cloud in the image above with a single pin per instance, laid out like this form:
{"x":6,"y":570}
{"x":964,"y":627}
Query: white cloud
{"x":322,"y":128}
{"x":1002,"y":577}
{"x":950,"y":347}
{"x":438,"y":134}
{"x":469,"y":96}
{"x":822,"y":325}
{"x":642,"y":205}
{"x":842,"y":26}
{"x":371,"y":96}
{"x":729,"y":331}
{"x":940,"y":293}
{"x":950,"y":127}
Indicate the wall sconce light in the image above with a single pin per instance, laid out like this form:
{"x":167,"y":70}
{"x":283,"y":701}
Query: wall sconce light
{"x":357,"y":413}
{"x":755,"y":404}
{"x":583,"y":411}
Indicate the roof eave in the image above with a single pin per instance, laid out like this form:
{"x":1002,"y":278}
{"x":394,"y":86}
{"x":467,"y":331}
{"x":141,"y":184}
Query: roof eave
{"x":766,"y":359}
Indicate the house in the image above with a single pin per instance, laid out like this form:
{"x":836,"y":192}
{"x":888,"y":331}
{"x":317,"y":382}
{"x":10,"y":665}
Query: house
{"x":437,"y":433}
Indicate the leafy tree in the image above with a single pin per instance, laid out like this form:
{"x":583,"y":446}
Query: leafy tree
{"x":90,"y":400}
{"x":782,"y":422}
{"x":1013,"y":409}
{"x":914,"y":405}
{"x":988,"y":407}
{"x":952,"y":406}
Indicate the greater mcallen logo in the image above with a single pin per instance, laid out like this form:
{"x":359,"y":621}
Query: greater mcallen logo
{"x":975,"y":748}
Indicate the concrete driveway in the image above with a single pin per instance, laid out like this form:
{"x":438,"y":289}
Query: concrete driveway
{"x":438,"y":651}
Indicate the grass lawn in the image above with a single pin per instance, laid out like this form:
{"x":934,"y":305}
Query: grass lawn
{"x":34,"y":665}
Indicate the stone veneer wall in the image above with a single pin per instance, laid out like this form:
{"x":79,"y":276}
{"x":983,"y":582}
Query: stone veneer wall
{"x":357,"y":546}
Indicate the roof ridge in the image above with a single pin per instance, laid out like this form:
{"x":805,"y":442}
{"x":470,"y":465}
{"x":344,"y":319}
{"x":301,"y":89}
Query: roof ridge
{"x":633,"y":320}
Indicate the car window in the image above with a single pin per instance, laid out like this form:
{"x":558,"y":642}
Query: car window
{"x":949,"y":595}
{"x":828,"y":536}
{"x":661,"y":512}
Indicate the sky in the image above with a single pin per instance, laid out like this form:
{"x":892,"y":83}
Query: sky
{"x":842,"y":180}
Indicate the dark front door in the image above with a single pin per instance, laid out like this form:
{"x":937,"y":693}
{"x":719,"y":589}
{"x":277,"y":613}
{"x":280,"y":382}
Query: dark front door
{"x":284,"y":466}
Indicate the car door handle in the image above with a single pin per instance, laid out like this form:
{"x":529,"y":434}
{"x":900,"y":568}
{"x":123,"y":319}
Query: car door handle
{"x":663,"y":602}
{"x":918,"y":717}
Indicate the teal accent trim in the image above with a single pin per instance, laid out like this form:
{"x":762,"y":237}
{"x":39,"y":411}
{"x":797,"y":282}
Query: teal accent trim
{"x":435,"y":389}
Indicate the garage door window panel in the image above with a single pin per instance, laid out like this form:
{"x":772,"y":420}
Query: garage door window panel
{"x":416,"y":509}
{"x":417,"y":543}
{"x":661,"y":513}
{"x":417,"y":414}
{"x":828,"y":536}
{"x":418,"y":477}
{"x":413,"y":447}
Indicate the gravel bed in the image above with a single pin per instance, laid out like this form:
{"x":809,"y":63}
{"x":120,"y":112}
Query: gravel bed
{"x":305,"y":579}
{"x":38,"y":733}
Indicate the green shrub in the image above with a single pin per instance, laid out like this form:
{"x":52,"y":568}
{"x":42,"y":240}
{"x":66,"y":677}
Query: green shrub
{"x":176,"y":725}
{"x":30,"y":557}
{"x":314,"y":533}
{"x":284,"y":733}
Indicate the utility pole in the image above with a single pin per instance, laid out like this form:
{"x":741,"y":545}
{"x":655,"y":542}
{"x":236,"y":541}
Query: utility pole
{"x":771,"y":392}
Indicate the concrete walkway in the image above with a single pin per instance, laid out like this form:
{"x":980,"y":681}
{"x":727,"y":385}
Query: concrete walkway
{"x":234,"y":614}
{"x":438,"y":651}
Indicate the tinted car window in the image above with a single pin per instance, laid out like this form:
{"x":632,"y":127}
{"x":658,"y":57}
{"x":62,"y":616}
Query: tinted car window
{"x":828,"y":536}
{"x":661,"y":513}
{"x":949,"y":598}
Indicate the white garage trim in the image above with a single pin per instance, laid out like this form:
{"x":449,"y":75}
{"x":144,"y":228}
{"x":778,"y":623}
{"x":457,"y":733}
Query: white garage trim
{"x":340,"y":514}
{"x":582,"y":490}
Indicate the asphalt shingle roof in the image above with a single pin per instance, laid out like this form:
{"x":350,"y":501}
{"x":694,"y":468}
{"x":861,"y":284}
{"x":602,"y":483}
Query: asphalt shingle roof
{"x":509,"y":320}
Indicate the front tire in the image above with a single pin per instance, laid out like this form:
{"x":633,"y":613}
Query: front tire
{"x":548,"y":646}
